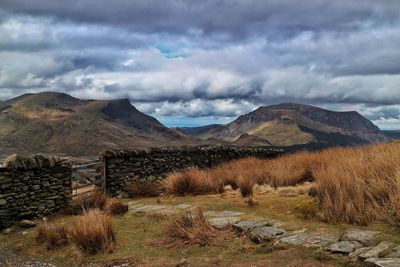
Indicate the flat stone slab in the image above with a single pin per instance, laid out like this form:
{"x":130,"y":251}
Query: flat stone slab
{"x":265,"y":234}
{"x":223,"y":222}
{"x":376,"y":251}
{"x":149,"y":208}
{"x":344,"y":247}
{"x":366,"y":238}
{"x":225,"y":213}
{"x":382,"y":262}
{"x":293,"y":239}
{"x":246,"y":226}
{"x":321,"y":239}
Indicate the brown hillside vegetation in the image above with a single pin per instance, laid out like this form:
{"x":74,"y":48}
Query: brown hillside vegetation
{"x":353,"y":185}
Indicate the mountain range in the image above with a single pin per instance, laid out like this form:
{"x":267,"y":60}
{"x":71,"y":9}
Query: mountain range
{"x":290,"y":124}
{"x":51,"y":122}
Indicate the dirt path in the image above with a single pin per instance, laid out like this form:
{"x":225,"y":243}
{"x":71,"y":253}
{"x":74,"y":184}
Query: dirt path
{"x":9,"y":258}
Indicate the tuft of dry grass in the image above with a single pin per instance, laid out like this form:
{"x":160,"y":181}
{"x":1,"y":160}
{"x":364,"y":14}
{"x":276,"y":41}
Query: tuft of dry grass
{"x":251,"y":202}
{"x":192,"y":182}
{"x":190,"y":228}
{"x":116,"y":207}
{"x":54,"y":235}
{"x":245,"y":186}
{"x":143,"y":188}
{"x":84,"y":202}
{"x":94,"y":232}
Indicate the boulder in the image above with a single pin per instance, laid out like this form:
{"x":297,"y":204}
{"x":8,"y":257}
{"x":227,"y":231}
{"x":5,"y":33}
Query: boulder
{"x":321,"y":239}
{"x":395,"y":253}
{"x":366,"y":238}
{"x":376,"y":251}
{"x":246,"y":226}
{"x":222,"y":222}
{"x":359,"y":251}
{"x":293,"y":239}
{"x":382,"y":262}
{"x":265,"y":234}
{"x":344,"y":247}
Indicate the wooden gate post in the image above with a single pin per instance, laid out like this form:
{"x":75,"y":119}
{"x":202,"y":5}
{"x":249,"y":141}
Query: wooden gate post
{"x":103,"y":161}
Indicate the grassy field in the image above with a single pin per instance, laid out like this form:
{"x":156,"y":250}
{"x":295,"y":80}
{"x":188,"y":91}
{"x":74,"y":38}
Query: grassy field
{"x":135,"y":233}
{"x":353,"y":185}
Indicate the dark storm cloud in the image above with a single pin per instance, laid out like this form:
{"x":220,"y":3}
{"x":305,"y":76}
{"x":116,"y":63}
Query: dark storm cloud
{"x":234,"y":17}
{"x":217,"y":58}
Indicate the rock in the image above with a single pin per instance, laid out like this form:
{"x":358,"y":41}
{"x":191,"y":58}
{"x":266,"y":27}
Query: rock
{"x":182,"y":263}
{"x":344,"y":247}
{"x":7,"y":231}
{"x":265,"y":234}
{"x":376,"y":251}
{"x":224,"y":213}
{"x":366,"y":238}
{"x":223,"y":222}
{"x":321,"y":239}
{"x":395,"y":253}
{"x":246,"y":226}
{"x":382,"y":262}
{"x":359,"y":251}
{"x":294,"y":239}
{"x":27,"y":223}
{"x":148,"y":208}
{"x":3,"y":202}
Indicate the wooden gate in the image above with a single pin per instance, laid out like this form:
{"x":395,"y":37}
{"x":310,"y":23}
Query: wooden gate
{"x":86,"y":177}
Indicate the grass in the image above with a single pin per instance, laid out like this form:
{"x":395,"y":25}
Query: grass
{"x":94,"y":232}
{"x":143,"y":188}
{"x":190,"y":228}
{"x":135,"y":232}
{"x":353,"y":185}
{"x":87,"y":201}
{"x":116,"y":207}
{"x":54,"y":235}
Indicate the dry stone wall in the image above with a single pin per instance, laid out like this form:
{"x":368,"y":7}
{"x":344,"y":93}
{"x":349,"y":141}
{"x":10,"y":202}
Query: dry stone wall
{"x":32,"y":187}
{"x":121,"y":167}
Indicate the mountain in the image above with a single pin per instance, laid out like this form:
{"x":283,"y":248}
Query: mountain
{"x":52,"y":122}
{"x":393,"y":134}
{"x":290,"y":124}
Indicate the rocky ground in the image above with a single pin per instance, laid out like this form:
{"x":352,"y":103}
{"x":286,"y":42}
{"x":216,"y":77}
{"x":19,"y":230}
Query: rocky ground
{"x":359,"y":245}
{"x":9,"y":258}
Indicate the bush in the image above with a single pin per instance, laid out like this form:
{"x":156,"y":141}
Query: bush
{"x":85,"y":202}
{"x":308,"y":208}
{"x":116,"y":206}
{"x":189,"y":228}
{"x":94,"y":232}
{"x":143,"y":188}
{"x":55,"y":235}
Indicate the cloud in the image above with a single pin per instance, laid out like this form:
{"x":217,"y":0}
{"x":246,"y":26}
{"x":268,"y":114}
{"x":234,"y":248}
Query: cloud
{"x":206,"y":59}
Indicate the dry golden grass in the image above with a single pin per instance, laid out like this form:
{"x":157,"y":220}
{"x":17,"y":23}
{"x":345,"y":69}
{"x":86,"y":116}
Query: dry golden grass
{"x":84,"y":202}
{"x":145,"y":188}
{"x":192,"y":182}
{"x":94,"y":232}
{"x":54,"y":235}
{"x":353,"y":185}
{"x":190,"y":228}
{"x":116,"y":207}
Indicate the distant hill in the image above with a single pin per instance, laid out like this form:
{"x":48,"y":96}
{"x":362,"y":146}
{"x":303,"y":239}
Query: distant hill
{"x":291,"y":124}
{"x":394,"y":134}
{"x":51,"y":122}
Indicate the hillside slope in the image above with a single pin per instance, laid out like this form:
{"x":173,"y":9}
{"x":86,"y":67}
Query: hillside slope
{"x":58,"y":123}
{"x":291,"y":124}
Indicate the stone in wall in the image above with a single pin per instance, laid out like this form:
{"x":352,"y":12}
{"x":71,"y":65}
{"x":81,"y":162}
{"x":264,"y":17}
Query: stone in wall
{"x":32,"y":187}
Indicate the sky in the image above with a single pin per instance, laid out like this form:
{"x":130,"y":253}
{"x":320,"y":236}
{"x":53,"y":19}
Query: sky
{"x":192,"y":63}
